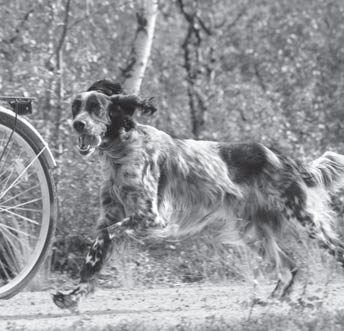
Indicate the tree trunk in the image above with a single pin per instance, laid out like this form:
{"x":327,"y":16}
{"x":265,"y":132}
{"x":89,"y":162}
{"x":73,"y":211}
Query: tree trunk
{"x":59,"y":78}
{"x":133,"y":73}
{"x":44,"y":272}
{"x":191,"y":47}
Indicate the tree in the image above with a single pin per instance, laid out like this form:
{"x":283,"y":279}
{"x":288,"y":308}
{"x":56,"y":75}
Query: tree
{"x":58,"y":68}
{"x":132,"y":74}
{"x":192,"y":48}
{"x":269,"y":71}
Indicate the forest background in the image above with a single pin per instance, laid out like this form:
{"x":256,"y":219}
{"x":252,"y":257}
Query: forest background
{"x":262,"y":70}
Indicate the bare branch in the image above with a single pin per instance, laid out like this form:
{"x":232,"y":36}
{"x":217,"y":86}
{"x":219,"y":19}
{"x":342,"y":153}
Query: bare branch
{"x":233,"y":23}
{"x":19,"y":27}
{"x":203,"y":26}
{"x":65,"y":27}
{"x":191,"y":47}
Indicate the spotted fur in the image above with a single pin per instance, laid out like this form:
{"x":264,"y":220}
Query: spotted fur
{"x":235,"y":193}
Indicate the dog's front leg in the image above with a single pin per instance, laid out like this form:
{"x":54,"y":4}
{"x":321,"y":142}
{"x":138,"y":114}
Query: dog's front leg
{"x":121,"y":220}
{"x":100,"y":250}
{"x":95,"y":258}
{"x":141,"y":202}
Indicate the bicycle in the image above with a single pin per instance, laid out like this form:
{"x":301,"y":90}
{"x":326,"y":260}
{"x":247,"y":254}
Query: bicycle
{"x":27,"y":197}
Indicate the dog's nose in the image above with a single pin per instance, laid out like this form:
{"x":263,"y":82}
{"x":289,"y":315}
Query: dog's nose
{"x":79,"y":126}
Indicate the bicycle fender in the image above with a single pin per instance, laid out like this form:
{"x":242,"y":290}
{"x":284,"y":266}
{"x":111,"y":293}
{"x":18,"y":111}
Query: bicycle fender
{"x":46,"y":150}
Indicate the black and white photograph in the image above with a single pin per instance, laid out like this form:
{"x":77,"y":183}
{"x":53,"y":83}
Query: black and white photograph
{"x":172,"y":165}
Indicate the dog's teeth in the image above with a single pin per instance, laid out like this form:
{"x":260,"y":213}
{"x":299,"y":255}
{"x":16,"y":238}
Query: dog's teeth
{"x":88,"y":143}
{"x":85,"y":148}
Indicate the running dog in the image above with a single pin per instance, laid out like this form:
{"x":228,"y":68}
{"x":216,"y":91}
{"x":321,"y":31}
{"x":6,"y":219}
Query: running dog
{"x":156,"y":186}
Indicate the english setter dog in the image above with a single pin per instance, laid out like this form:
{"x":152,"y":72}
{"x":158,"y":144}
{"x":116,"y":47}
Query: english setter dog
{"x":158,"y":186}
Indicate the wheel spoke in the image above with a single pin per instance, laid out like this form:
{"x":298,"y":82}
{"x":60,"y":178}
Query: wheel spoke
{"x":4,"y":141}
{"x":19,"y":216}
{"x":26,"y":211}
{"x":20,"y":194}
{"x":22,"y":173}
{"x":32,"y":210}
{"x":10,"y":230}
{"x":18,"y":206}
{"x":4,"y":183}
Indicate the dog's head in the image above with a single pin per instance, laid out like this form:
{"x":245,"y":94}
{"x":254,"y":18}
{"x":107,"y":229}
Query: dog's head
{"x":103,"y":113}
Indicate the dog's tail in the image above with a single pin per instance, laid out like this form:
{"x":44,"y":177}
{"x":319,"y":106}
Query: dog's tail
{"x":323,"y":176}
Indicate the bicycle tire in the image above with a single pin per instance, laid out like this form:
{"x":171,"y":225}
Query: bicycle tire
{"x":35,"y":149}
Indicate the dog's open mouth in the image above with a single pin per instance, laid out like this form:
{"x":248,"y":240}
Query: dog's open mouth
{"x":88,"y":143}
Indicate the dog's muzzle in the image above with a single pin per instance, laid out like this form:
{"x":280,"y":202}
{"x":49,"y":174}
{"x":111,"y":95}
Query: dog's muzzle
{"x":88,"y":143}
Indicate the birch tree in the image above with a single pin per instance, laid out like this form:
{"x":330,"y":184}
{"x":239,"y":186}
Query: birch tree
{"x":133,"y":72}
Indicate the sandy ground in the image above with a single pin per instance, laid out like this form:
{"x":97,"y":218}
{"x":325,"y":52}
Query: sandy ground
{"x":156,"y":306}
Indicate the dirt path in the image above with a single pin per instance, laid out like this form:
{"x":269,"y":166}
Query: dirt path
{"x":158,"y":306}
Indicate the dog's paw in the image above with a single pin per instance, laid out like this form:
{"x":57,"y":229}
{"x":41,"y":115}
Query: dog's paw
{"x":67,"y":301}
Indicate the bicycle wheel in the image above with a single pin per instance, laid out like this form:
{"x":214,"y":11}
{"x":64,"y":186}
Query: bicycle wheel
{"x":27,"y":203}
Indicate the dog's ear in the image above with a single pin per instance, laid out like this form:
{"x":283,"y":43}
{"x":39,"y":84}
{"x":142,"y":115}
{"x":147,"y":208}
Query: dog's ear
{"x":130,"y":103}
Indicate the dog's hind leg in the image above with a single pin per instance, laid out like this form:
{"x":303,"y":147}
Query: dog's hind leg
{"x":284,"y":266}
{"x":266,"y":243}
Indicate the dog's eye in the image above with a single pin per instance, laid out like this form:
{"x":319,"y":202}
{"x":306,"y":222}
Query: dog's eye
{"x":76,"y":107}
{"x":94,"y":109}
{"x":93,"y":106}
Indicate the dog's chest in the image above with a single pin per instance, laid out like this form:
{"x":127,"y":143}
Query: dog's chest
{"x":123,"y":176}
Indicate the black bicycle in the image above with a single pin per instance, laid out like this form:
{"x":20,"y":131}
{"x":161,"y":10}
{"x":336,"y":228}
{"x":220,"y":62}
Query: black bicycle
{"x":27,"y":197}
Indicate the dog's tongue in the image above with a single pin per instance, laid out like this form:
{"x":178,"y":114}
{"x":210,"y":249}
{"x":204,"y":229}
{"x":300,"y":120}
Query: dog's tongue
{"x":85,"y":143}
